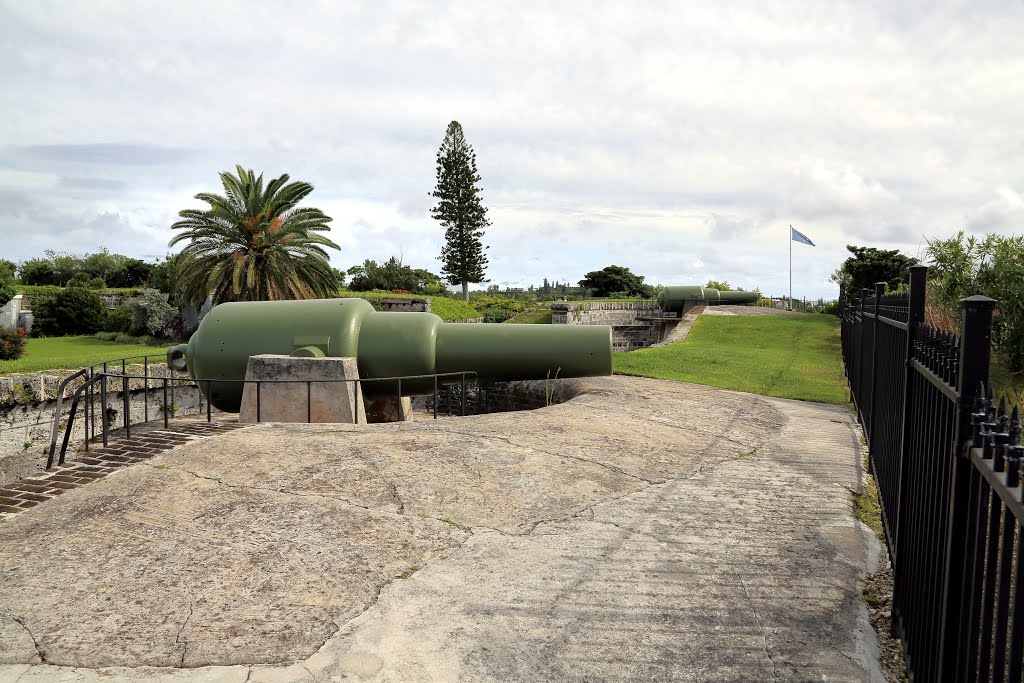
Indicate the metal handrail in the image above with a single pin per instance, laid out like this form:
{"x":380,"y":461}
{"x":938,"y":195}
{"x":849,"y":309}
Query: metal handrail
{"x":56,"y":415}
{"x":71,"y":419}
{"x":458,"y":377}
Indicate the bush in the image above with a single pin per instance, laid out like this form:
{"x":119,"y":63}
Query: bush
{"x":497,"y":314}
{"x":122,"y":338}
{"x":152,"y":313}
{"x":498,"y":309}
{"x":12,"y":344}
{"x":993,"y":266}
{"x":72,"y":311}
{"x":119,"y":320}
{"x":435,"y":289}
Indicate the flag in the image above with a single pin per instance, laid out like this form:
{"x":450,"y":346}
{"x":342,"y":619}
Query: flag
{"x":798,"y":236}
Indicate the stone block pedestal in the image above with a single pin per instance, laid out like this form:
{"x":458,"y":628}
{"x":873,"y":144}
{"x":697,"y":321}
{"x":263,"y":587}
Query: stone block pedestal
{"x":321,"y":400}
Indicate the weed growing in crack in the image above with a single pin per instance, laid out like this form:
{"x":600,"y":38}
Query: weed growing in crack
{"x":409,"y":572}
{"x":452,"y":522}
{"x":549,"y":391}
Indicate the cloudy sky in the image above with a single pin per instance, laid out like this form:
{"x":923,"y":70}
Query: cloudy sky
{"x":679,"y":139}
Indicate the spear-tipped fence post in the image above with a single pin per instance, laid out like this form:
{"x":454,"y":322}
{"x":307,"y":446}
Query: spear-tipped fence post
{"x":975,"y":354}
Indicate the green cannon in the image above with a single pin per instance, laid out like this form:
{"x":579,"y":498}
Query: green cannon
{"x":384,"y":344}
{"x":680,"y":299}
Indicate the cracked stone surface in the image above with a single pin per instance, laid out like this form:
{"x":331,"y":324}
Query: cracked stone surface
{"x":642,"y":530}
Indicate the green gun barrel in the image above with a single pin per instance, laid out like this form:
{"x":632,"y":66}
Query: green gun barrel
{"x":384,"y":344}
{"x":677,"y":299}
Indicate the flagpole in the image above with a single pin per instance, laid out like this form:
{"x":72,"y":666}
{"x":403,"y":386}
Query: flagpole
{"x":791,"y":267}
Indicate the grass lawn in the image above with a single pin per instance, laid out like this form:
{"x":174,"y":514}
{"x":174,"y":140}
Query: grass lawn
{"x":532,"y":318}
{"x":71,"y":353}
{"x":441,"y":306}
{"x":789,"y":357}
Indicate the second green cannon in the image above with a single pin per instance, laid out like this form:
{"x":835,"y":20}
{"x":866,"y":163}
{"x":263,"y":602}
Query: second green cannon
{"x":384,"y":344}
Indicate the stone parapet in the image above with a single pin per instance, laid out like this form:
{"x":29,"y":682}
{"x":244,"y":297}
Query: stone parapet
{"x":635,"y":324}
{"x":405,"y":305}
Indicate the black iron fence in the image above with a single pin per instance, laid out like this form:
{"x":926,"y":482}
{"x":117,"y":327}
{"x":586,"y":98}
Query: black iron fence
{"x":948,"y":464}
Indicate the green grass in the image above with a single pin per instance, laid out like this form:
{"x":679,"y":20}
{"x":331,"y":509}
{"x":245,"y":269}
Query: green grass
{"x":789,"y":357}
{"x":531,"y":318}
{"x":71,"y":353}
{"x":867,"y":508}
{"x":451,"y":309}
{"x":441,"y":306}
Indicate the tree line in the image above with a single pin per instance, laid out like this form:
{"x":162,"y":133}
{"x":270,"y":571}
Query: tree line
{"x":958,"y":267}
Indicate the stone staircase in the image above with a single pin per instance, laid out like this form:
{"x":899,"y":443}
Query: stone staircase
{"x":99,"y":462}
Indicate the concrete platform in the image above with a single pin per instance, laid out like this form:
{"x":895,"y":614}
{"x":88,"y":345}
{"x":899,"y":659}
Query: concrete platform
{"x":641,"y":531}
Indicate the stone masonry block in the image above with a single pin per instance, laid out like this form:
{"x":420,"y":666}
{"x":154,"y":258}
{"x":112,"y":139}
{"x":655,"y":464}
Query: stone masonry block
{"x":328,"y":399}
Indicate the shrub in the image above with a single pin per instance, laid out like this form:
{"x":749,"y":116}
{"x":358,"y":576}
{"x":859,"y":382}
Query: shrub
{"x":72,"y":311}
{"x":79,"y":280}
{"x":435,"y":289}
{"x":12,"y":344}
{"x":152,"y":313}
{"x":122,"y":338}
{"x":993,"y":266}
{"x":497,"y":314}
{"x":831,"y":308}
{"x":119,"y":320}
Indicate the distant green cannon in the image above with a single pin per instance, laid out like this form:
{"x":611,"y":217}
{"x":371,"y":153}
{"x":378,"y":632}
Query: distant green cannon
{"x":679,"y":299}
{"x":384,"y":344}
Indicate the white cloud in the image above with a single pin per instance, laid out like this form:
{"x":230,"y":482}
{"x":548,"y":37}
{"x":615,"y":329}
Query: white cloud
{"x":657,"y":135}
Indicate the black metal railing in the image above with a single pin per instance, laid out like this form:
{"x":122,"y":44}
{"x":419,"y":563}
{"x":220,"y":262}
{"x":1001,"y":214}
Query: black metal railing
{"x":944,"y":459}
{"x":991,"y":640}
{"x":453,"y":393}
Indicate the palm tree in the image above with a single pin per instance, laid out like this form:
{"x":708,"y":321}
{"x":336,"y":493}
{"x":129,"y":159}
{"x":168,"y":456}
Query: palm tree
{"x":254,"y":244}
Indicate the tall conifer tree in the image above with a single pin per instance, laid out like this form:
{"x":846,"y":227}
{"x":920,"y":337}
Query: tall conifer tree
{"x":460,"y":211}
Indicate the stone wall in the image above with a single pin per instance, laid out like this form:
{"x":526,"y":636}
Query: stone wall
{"x":111,"y":299}
{"x":415,"y":305}
{"x":631,"y":321}
{"x":15,"y":314}
{"x":405,"y":305}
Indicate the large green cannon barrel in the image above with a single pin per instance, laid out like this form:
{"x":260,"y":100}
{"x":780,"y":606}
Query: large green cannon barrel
{"x":737,"y":297}
{"x":384,"y":344}
{"x":678,"y":299}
